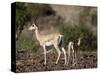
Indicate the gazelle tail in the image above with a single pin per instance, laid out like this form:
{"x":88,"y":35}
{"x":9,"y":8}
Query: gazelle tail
{"x":60,"y":41}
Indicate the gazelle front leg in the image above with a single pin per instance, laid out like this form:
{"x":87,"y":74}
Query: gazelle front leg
{"x":59,"y":53}
{"x":44,"y":47}
{"x":64,"y":53}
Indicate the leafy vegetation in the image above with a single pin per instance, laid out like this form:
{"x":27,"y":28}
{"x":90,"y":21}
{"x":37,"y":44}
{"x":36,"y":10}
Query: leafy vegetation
{"x":73,"y":32}
{"x":25,"y":12}
{"x":26,"y":43}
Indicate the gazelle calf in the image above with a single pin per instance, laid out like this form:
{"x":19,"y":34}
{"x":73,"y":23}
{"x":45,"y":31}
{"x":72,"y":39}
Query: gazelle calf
{"x":73,"y":46}
{"x":54,"y":39}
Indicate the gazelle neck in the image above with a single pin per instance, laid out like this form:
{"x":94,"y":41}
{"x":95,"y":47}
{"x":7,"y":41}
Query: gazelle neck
{"x":37,"y":34}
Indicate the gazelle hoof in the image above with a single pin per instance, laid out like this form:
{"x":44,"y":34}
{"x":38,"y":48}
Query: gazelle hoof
{"x":44,"y":63}
{"x":56,"y":63}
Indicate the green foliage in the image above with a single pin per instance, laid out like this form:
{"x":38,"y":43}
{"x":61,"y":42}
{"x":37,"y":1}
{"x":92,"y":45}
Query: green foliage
{"x":73,"y":32}
{"x":25,"y":12}
{"x":26,"y":43}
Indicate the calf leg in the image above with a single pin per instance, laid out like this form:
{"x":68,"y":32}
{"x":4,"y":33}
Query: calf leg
{"x":59,"y":53}
{"x":64,"y":53}
{"x":68,"y":53}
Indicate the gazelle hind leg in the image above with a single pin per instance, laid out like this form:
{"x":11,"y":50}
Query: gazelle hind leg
{"x":73,"y":54}
{"x":75,"y":57}
{"x":44,"y":54}
{"x":68,"y":53}
{"x":64,"y":53}
{"x":59,"y":53}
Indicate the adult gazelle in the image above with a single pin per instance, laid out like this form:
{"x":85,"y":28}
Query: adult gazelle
{"x":55,"y":39}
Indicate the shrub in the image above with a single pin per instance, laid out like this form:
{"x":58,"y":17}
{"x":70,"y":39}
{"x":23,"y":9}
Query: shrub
{"x":25,"y":12}
{"x":25,"y":43}
{"x":73,"y":32}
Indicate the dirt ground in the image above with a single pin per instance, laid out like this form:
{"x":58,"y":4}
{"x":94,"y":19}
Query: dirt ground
{"x":27,"y":61}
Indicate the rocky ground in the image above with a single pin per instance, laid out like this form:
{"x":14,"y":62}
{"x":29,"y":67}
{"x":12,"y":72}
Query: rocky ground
{"x":27,"y":61}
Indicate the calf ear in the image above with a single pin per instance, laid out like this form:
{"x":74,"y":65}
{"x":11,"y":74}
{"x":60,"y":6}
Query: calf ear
{"x":35,"y":20}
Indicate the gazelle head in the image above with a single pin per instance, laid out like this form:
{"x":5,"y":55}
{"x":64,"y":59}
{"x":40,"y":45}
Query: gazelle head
{"x":33,"y":27}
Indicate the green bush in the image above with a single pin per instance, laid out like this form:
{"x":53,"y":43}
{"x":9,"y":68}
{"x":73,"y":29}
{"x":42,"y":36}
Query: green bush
{"x":26,"y":12}
{"x":26,"y":43}
{"x":72,"y":32}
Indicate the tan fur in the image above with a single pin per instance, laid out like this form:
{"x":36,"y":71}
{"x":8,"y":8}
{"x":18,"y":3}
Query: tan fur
{"x":47,"y":40}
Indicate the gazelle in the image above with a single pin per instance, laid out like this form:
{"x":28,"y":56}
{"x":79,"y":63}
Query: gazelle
{"x":54,"y":39}
{"x":73,"y":45}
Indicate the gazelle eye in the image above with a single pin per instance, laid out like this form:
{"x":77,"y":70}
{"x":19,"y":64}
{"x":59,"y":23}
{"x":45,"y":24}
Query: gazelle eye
{"x":33,"y":25}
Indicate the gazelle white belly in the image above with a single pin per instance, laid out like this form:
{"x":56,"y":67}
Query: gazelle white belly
{"x":48,"y":43}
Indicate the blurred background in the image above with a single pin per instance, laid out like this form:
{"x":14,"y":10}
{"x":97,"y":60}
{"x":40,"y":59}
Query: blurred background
{"x":71,"y":21}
